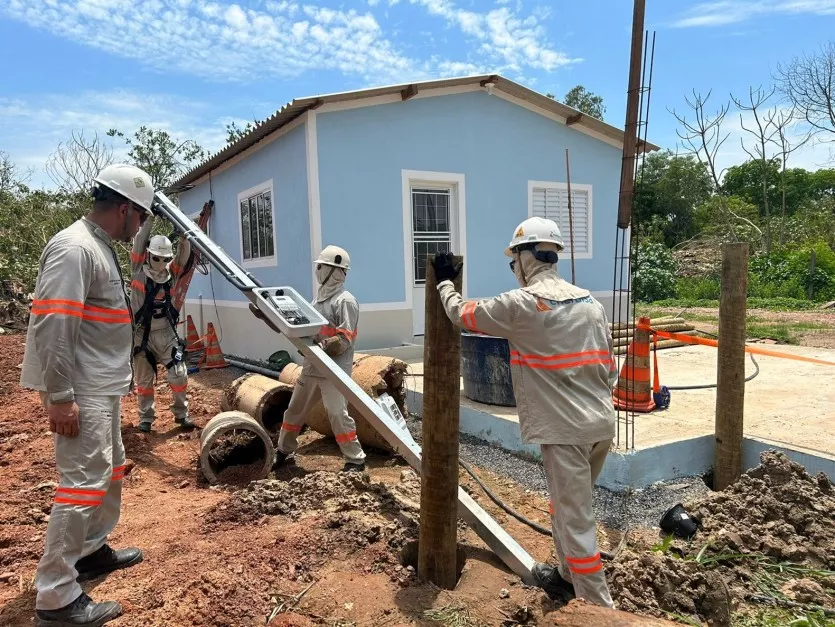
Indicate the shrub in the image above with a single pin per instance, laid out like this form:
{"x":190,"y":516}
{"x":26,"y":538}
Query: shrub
{"x":698,"y":288}
{"x":654,"y":275}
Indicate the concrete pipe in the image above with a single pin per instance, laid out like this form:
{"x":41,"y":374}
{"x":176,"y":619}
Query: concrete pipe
{"x":263,"y":398}
{"x":235,"y":449}
{"x":375,"y":375}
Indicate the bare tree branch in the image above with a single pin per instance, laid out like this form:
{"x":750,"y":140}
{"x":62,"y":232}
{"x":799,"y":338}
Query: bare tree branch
{"x":808,"y":82}
{"x":703,"y":138}
{"x":75,"y":162}
{"x":762,"y":133}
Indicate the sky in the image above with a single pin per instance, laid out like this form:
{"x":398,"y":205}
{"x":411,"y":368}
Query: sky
{"x":192,"y":66}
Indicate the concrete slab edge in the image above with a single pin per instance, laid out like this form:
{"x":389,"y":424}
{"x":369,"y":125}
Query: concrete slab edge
{"x":639,"y":468}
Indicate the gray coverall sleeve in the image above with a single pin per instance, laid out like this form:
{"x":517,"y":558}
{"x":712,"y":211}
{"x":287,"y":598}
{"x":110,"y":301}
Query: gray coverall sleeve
{"x":178,"y":265}
{"x":345,"y":332}
{"x":495,"y":316}
{"x":140,"y":243}
{"x":57,"y":311}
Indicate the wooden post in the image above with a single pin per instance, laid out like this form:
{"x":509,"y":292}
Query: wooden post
{"x":438,"y":540}
{"x":730,"y":391}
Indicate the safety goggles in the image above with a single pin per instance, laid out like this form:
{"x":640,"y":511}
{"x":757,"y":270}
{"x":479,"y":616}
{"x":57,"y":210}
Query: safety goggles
{"x":518,"y":250}
{"x":157,"y":258}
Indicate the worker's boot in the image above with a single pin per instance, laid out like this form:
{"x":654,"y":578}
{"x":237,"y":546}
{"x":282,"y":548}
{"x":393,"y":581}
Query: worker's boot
{"x":145,"y":427}
{"x":282,"y":459}
{"x":81,"y":612}
{"x":185,"y":422}
{"x":549,"y":579}
{"x":106,"y":560}
{"x":353,"y":467}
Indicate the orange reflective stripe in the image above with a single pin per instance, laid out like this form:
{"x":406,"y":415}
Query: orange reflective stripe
{"x":586,"y":571}
{"x":515,"y":353}
{"x":137,"y":257}
{"x":291,"y":428}
{"x":65,"y":501}
{"x":70,"y":307}
{"x":551,"y":507}
{"x":558,"y":366}
{"x":175,"y":269}
{"x":118,"y":477}
{"x":54,"y":310}
{"x":583,"y":560}
{"x":636,"y":374}
{"x":145,"y":391}
{"x":137,"y":285}
{"x":342,"y":438}
{"x":178,"y":388}
{"x":540,"y":306}
{"x":468,"y":316}
{"x":80,"y":492}
{"x":119,"y":468}
{"x":639,"y":350}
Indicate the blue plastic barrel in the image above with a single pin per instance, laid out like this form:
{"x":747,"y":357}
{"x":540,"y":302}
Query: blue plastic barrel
{"x":485,"y":366}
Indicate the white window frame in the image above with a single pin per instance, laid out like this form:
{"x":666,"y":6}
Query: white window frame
{"x":575,"y":187}
{"x":457,"y":185}
{"x":259,"y":262}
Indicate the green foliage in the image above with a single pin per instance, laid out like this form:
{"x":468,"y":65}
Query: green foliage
{"x":235,"y":132}
{"x":709,"y":216}
{"x":160,"y":155}
{"x":667,"y":192}
{"x":698,"y":288}
{"x":786,"y":272}
{"x":745,"y":181}
{"x":578,"y":97}
{"x":654,"y":276}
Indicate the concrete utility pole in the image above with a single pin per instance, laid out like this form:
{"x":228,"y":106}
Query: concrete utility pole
{"x":730,"y":376}
{"x":438,"y":541}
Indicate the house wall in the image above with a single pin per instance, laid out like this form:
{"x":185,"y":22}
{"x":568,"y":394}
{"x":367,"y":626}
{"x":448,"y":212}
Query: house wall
{"x":496,"y":145}
{"x":284,"y":161}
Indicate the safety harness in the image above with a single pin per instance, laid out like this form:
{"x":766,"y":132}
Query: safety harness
{"x":156,"y":309}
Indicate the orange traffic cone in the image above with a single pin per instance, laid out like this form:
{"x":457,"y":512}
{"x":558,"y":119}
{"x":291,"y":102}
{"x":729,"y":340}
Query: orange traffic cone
{"x":633,"y":391}
{"x":193,"y":341}
{"x":213,"y":357}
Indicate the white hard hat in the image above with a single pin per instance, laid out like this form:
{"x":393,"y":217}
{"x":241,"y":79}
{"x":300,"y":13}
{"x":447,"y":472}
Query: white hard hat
{"x":161,"y":246}
{"x":535,"y":231}
{"x":129,"y":181}
{"x":334,"y":256}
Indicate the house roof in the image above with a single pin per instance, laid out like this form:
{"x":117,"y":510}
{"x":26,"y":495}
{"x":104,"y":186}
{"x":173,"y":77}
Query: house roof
{"x":298,"y":107}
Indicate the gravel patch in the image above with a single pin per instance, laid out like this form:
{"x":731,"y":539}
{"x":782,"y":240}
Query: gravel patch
{"x":618,"y":510}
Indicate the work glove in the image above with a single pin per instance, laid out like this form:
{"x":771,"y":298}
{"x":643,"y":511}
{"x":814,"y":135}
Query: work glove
{"x":445,"y":267}
{"x":332,"y":346}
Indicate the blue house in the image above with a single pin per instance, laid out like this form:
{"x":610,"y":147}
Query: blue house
{"x":394,"y":173}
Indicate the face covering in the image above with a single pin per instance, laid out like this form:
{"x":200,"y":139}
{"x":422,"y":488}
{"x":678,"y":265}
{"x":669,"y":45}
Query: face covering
{"x":158,"y":266}
{"x":331,"y":281}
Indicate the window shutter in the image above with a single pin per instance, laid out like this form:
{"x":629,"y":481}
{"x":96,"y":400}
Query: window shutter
{"x":552,"y":203}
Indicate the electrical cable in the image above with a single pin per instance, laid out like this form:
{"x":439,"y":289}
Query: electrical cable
{"x":535,"y":526}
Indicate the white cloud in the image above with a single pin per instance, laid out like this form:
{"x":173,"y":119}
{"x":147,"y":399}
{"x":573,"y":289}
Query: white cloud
{"x":507,"y":38}
{"x":735,"y":11}
{"x":225,"y":41}
{"x":31,"y":128}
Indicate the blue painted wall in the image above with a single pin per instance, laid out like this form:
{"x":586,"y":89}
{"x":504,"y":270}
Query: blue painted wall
{"x":497,"y":145}
{"x":284,"y":161}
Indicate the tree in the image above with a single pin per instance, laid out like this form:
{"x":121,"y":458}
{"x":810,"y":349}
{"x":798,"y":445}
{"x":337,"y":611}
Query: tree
{"x":234,"y":132}
{"x":160,"y":155}
{"x":808,"y":82}
{"x":762,"y":135}
{"x":745,"y":182}
{"x":668,"y":189}
{"x":781,"y":121}
{"x":75,"y":162}
{"x":823,"y":183}
{"x":586,"y":101}
{"x":12,"y":180}
{"x":703,"y":137}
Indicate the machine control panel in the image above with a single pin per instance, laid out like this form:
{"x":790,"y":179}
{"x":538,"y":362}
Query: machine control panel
{"x":291,"y":313}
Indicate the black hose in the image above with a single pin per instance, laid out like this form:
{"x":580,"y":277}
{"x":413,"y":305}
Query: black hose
{"x":535,"y":526}
{"x":709,"y":386}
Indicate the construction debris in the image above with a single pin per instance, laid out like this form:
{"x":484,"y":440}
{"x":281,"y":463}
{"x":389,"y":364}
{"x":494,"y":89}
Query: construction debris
{"x":770,"y":533}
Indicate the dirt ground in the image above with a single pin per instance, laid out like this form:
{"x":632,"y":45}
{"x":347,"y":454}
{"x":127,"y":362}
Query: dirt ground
{"x":311,"y":546}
